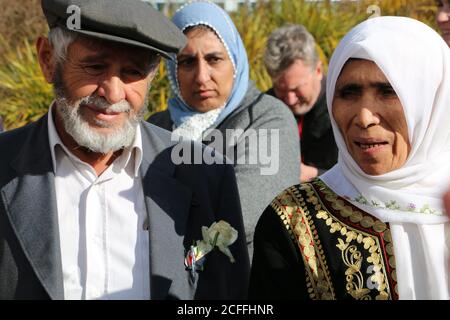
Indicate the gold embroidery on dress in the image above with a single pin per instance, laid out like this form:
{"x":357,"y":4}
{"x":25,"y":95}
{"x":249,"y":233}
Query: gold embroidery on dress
{"x":293,"y":211}
{"x":291,"y":208}
{"x":355,"y":216}
{"x":371,"y":243}
{"x":353,"y":260}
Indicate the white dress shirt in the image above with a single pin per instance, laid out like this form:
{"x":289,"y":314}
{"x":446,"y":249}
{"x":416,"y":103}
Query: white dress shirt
{"x":104,"y":244}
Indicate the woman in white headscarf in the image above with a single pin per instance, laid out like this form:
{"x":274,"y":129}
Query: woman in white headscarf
{"x":373,"y":227}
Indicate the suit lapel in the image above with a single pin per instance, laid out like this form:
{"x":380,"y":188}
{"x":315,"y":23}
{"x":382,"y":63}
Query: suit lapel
{"x":30,"y":201}
{"x":31,"y":207}
{"x":168,"y":202}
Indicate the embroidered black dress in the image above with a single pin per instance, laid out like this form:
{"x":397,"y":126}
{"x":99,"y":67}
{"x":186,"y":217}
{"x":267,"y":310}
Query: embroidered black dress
{"x":312,"y":244}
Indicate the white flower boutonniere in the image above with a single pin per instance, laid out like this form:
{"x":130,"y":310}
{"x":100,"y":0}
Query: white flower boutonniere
{"x":221,"y":235}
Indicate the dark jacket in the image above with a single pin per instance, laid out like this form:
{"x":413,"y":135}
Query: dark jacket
{"x":312,"y":244}
{"x":180,"y":199}
{"x":257,"y":111}
{"x":318,"y":146}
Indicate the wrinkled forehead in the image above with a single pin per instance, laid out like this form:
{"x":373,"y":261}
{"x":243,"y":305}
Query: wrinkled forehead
{"x":99,"y":45}
{"x":92,"y":47}
{"x":362,"y":69}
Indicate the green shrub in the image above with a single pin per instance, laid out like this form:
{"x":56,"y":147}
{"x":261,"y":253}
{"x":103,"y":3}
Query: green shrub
{"x":25,"y":96}
{"x":21,"y":20}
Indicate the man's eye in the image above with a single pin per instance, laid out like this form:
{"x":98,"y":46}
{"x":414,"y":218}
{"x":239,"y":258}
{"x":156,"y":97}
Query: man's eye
{"x":94,"y":69}
{"x":133,"y":72}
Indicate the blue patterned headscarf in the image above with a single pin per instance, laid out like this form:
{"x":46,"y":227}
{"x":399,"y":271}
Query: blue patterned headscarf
{"x":210,"y":15}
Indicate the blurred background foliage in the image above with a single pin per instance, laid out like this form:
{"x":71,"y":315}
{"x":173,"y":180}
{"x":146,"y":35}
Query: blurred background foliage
{"x":25,"y":95}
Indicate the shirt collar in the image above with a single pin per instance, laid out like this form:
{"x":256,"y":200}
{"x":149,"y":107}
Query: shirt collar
{"x":132,"y":152}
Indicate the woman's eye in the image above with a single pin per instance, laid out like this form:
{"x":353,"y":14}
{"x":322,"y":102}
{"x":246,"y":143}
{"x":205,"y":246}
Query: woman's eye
{"x":186,"y":62}
{"x":388,"y":92}
{"x":213,"y":60}
{"x":347,"y":93}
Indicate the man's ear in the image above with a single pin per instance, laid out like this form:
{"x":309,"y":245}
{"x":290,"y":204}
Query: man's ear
{"x":46,"y":58}
{"x":319,"y":69}
{"x":152,"y":75}
{"x":155,"y":68}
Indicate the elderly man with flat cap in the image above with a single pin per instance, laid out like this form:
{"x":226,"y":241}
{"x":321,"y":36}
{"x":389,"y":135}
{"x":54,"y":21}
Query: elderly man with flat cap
{"x":93,"y":204}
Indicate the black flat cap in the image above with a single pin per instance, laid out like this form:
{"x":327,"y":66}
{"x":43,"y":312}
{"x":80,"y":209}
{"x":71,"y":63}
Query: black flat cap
{"x":131,"y":22}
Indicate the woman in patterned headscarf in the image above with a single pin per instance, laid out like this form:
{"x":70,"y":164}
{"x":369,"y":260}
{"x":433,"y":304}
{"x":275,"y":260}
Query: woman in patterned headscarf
{"x":211,"y":87}
{"x":373,"y":226}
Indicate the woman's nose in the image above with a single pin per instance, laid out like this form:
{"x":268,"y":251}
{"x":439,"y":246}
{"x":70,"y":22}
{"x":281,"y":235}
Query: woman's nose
{"x":366,"y":118}
{"x":203,"y":73}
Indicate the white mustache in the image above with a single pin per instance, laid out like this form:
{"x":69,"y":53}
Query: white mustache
{"x":101,"y":104}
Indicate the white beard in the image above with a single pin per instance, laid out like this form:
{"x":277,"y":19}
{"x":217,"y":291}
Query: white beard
{"x":78,"y":127}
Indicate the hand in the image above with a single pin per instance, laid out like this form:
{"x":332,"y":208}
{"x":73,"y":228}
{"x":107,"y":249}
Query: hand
{"x":307,"y":173}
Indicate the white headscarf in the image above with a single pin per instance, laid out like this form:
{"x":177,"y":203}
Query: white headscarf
{"x":416,"y":62}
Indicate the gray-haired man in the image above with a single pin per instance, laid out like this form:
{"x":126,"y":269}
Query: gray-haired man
{"x":91,"y":204}
{"x":293,"y":63}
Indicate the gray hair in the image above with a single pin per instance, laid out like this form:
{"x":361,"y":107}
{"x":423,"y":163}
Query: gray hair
{"x":288,"y":44}
{"x":60,"y":39}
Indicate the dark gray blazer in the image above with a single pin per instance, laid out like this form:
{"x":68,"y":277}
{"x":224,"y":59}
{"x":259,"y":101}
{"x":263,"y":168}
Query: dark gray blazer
{"x":180,"y":200}
{"x":257,"y":111}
